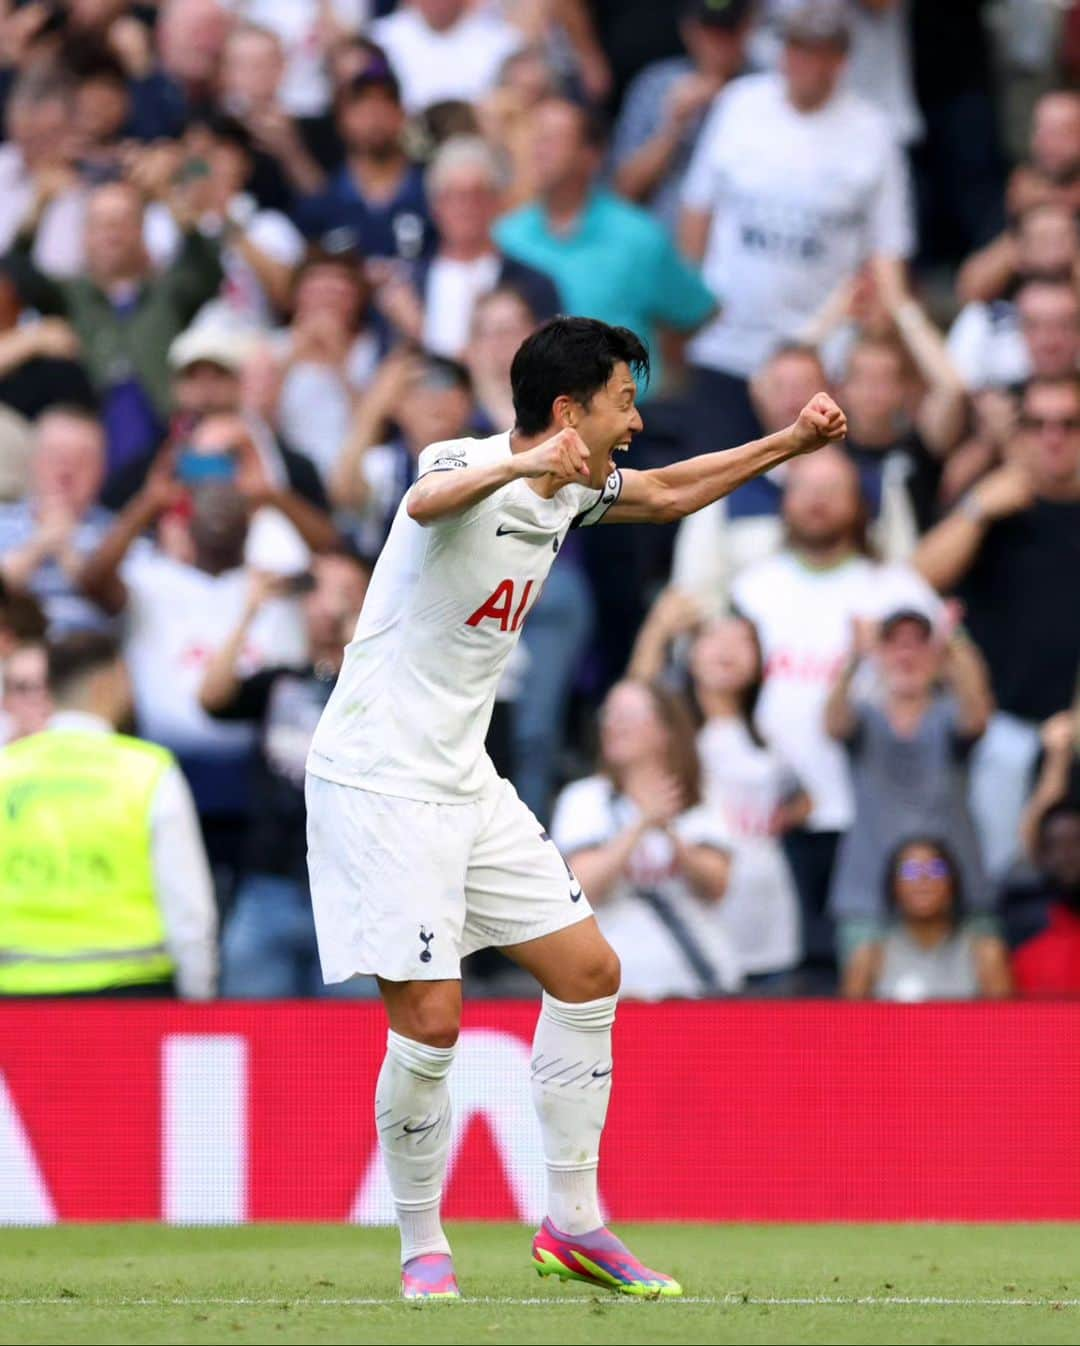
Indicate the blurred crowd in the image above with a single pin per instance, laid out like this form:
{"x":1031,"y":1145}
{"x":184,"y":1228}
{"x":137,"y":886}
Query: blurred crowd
{"x":255,"y":255}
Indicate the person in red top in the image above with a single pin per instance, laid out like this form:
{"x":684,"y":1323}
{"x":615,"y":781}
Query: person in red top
{"x":1048,"y":964}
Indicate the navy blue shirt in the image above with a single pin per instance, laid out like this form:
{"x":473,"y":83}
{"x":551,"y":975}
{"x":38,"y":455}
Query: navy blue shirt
{"x":399,"y":227}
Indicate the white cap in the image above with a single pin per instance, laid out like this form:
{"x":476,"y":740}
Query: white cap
{"x":217,"y":344}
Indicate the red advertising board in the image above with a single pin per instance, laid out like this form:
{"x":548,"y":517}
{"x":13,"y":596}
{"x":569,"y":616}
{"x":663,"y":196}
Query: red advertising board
{"x":728,"y":1111}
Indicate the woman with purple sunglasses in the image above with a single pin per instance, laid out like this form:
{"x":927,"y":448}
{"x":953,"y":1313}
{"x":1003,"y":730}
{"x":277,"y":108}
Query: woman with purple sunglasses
{"x":927,"y":952}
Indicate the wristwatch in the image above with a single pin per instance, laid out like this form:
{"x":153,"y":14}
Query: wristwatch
{"x":970,"y":508}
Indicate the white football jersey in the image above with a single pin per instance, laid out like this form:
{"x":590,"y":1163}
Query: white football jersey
{"x":443,"y":613}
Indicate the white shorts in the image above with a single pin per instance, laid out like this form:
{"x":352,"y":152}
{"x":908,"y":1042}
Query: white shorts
{"x":403,"y":889}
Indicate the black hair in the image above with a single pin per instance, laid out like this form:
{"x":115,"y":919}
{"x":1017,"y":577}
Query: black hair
{"x":87,"y":58}
{"x":945,"y":852}
{"x":569,"y":357}
{"x":228,"y":129}
{"x":1069,"y":807}
{"x":77,"y":656}
{"x":451,"y":373}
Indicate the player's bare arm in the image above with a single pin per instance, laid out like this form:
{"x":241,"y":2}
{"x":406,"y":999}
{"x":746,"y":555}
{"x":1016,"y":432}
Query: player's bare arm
{"x":561,"y":458}
{"x":669,"y":493}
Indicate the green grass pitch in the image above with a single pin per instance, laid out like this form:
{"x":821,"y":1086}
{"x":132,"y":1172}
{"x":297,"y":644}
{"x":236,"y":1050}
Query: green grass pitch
{"x":743,"y":1283}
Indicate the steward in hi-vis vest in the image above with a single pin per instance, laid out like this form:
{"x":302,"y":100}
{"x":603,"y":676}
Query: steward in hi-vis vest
{"x":104,"y":884}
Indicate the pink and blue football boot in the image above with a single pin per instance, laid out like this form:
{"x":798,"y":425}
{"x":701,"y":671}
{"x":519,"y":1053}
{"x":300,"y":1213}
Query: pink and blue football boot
{"x":599,"y":1259}
{"x":429,"y":1276}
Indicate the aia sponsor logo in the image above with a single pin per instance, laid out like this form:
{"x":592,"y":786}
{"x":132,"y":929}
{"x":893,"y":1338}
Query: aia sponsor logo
{"x":507,"y":606}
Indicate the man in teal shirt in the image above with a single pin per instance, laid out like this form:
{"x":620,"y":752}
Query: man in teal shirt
{"x":609,"y":259}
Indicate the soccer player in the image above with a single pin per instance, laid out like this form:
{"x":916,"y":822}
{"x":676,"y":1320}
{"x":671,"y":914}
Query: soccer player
{"x":419,"y":852}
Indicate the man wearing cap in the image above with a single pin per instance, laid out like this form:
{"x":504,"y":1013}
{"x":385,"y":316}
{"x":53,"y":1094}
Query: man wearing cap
{"x":667,"y":102}
{"x":377,"y":196}
{"x":794,"y":185}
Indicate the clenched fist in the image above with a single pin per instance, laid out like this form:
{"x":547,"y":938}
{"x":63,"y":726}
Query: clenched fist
{"x":563,"y":456}
{"x":820,"y":422}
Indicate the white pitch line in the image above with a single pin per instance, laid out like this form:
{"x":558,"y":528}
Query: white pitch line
{"x":726,"y":1301}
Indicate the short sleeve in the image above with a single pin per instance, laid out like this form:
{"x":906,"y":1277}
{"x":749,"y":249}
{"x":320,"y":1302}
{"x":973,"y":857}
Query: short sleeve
{"x":891,"y":228}
{"x":594,"y":506}
{"x":443,"y":457}
{"x":704,"y":826}
{"x":583,"y":818}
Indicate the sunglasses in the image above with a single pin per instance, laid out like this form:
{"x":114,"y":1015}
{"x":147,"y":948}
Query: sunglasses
{"x":1040,"y":423}
{"x":924,"y":869}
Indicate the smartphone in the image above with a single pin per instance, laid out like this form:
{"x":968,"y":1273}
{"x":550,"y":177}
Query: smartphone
{"x":194,"y":468}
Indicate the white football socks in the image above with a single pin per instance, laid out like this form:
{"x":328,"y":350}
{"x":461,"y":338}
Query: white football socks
{"x":571,"y":1085}
{"x":412,"y":1117}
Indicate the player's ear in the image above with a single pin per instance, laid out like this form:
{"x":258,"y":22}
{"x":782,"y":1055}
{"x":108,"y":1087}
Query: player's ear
{"x":564,"y":411}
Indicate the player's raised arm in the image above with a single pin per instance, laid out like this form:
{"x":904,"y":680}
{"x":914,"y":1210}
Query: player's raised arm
{"x":444,"y":492}
{"x":665,"y":494}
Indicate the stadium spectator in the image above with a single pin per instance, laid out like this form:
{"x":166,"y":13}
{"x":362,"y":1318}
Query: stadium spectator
{"x":124,"y":315}
{"x":795,"y":183}
{"x":879,"y":66}
{"x":182,"y":598}
{"x":445,"y":49}
{"x":803,"y":601}
{"x":1059,"y":774}
{"x":1004,"y":549}
{"x":429,"y":399}
{"x":115,"y":811}
{"x":653,"y":859}
{"x":927,"y":952}
{"x":609,"y":259}
{"x":26,"y":704}
{"x":46,"y":537}
{"x":1047,"y":962}
{"x":986,"y":341}
{"x":34,"y":165}
{"x":330,"y":353}
{"x":908,"y":756}
{"x":260,"y":249}
{"x":434,"y":308}
{"x":268,"y":946}
{"x":666,"y":104}
{"x":378,"y":193}
{"x":757,"y":795}
{"x":1049,"y":178}
{"x":191,"y":36}
{"x":39,"y":361}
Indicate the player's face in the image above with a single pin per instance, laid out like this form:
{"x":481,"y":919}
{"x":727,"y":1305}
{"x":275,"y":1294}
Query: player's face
{"x":609,"y":423}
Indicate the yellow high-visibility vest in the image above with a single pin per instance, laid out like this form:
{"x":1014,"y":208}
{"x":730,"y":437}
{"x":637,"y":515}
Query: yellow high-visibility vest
{"x":77,"y":904}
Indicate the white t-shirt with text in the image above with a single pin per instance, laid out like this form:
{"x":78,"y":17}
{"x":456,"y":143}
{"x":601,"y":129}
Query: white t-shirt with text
{"x":799,"y":202}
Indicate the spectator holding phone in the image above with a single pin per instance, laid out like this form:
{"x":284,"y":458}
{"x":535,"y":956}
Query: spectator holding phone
{"x":182,"y":598}
{"x":926,"y":952}
{"x":268,"y":948}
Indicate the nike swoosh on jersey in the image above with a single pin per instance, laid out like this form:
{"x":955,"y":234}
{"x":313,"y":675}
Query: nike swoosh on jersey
{"x":502,"y":531}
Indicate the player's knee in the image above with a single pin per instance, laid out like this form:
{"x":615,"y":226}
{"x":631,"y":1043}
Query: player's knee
{"x":434,"y":1024}
{"x":599,"y":976}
